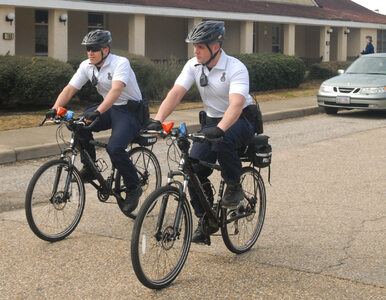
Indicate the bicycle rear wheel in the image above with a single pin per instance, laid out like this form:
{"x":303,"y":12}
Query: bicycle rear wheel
{"x":161,"y":238}
{"x":149,"y":174}
{"x":244,"y":224}
{"x":52,"y":211}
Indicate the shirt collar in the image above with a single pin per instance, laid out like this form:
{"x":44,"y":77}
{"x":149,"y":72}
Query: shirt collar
{"x":221,"y":64}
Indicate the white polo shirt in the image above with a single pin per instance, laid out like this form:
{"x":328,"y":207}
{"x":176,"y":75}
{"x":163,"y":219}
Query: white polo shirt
{"x":228,"y":76}
{"x":115,"y":68}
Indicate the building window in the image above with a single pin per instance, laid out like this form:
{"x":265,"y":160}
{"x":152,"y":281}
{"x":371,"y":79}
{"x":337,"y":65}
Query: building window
{"x":41,"y":32}
{"x":96,"y":21}
{"x":255,"y":36}
{"x":381,"y":41}
{"x":277,"y":38}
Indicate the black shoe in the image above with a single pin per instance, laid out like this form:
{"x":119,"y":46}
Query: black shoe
{"x":132,"y":199}
{"x":199,"y":237}
{"x":232,"y":197}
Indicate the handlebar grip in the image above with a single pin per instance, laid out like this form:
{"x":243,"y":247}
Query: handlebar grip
{"x":92,"y":124}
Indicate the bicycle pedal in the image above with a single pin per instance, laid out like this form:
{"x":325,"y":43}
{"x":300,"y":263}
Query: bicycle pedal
{"x":203,"y":242}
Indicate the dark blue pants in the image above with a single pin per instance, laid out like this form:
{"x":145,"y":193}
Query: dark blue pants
{"x":124,"y":127}
{"x":238,"y":135}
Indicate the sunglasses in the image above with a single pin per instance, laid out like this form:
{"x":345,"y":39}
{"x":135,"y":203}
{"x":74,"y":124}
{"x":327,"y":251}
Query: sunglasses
{"x":93,"y":49}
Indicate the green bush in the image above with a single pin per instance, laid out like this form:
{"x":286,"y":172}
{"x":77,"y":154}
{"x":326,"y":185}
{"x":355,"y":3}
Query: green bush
{"x":327,"y":70}
{"x":166,"y":75}
{"x":145,"y":72}
{"x":10,"y":66}
{"x":33,"y":82}
{"x":273,"y":71}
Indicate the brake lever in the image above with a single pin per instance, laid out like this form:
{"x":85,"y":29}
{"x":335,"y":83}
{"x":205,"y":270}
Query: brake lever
{"x":89,"y":126}
{"x":42,"y":122}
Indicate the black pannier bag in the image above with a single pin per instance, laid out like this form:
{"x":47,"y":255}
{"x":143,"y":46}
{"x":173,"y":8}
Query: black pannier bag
{"x":145,"y":139}
{"x":259,"y":151}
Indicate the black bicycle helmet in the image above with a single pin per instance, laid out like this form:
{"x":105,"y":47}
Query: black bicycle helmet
{"x":101,"y":38}
{"x":207,"y":32}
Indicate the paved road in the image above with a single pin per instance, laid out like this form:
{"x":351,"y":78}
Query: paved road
{"x":323,"y":236}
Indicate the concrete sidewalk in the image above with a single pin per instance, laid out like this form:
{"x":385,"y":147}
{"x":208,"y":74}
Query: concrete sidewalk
{"x":29,"y":143}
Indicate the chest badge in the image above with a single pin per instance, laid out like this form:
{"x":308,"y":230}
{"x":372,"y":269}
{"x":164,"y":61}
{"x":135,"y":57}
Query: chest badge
{"x":109,"y":77}
{"x":222,"y":79}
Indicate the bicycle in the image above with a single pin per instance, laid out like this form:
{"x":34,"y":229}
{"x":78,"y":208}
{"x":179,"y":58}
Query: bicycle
{"x":55,"y":196}
{"x":162,"y":232}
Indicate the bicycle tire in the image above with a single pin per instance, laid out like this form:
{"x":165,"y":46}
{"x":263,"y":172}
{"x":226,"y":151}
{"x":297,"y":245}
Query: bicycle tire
{"x":54,"y":216}
{"x":241,"y":234}
{"x":149,"y":173}
{"x":156,"y":271}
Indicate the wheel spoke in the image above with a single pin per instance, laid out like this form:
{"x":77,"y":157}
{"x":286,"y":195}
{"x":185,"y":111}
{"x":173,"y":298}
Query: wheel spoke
{"x":51,"y":214}
{"x":245,"y":224}
{"x":164,"y":253}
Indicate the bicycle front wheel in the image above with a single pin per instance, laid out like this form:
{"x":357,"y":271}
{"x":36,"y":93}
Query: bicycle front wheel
{"x":243,"y":225}
{"x":161,"y":238}
{"x":54,"y":201}
{"x":149,"y":175}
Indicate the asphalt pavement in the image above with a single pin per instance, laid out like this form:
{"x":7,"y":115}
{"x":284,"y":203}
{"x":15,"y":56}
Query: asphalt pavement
{"x":36,"y":142}
{"x":323,"y":234}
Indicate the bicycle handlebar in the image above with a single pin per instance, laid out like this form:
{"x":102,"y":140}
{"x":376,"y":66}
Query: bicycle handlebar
{"x":76,"y":121}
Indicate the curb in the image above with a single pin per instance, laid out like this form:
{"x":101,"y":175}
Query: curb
{"x":292,"y":113}
{"x":9,"y":155}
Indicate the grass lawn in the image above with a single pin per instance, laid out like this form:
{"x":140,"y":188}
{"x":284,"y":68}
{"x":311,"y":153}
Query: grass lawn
{"x":24,"y":119}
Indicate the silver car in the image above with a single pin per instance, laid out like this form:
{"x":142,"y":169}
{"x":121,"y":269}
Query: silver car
{"x":362,"y":85}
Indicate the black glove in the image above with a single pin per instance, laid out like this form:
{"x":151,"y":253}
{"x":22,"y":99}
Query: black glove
{"x":214,"y":134}
{"x":91,"y":115}
{"x":51,"y":113}
{"x":153,"y":125}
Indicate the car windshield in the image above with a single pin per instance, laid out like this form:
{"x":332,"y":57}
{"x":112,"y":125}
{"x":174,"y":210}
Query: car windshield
{"x":368,"y":65}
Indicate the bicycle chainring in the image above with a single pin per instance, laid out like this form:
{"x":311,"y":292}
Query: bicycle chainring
{"x":103,"y":196}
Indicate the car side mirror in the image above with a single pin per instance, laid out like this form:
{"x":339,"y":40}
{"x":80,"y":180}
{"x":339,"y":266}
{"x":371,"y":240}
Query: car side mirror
{"x":340,"y":71}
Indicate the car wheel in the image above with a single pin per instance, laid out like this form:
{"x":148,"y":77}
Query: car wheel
{"x":330,"y":110}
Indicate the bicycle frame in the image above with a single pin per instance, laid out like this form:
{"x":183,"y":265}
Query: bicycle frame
{"x":75,"y":147}
{"x":185,"y":169}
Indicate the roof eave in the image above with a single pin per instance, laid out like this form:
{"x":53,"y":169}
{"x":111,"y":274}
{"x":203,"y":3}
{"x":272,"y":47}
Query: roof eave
{"x":182,"y":12}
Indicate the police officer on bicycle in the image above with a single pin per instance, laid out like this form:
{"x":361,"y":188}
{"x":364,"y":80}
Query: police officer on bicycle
{"x":223,"y":83}
{"x":115,"y":81}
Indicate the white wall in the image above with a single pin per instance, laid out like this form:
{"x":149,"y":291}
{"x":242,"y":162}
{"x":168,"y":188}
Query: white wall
{"x":118,"y":26}
{"x":7,"y":46}
{"x":25,"y":32}
{"x":165,"y":37}
{"x":77,"y":29}
{"x":231,"y":44}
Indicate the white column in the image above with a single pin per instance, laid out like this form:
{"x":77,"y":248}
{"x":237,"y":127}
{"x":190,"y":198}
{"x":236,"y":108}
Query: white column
{"x":246,"y":37}
{"x":342,"y":44}
{"x":7,"y":30}
{"x":191,"y":24}
{"x":58,"y":34}
{"x":325,"y":43}
{"x":137,"y":34}
{"x":289,"y":39}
